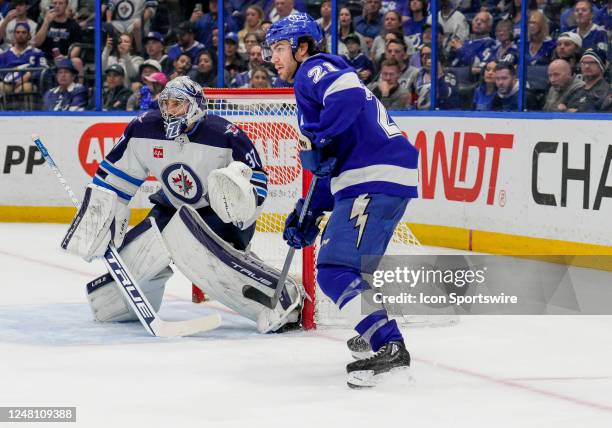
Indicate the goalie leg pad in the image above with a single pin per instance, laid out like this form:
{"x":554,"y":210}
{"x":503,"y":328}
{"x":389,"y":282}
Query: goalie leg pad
{"x":108,"y":304}
{"x":222,"y":271}
{"x":146,"y":256}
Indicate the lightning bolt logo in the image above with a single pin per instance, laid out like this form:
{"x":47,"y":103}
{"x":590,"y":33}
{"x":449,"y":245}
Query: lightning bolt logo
{"x":358,"y":212}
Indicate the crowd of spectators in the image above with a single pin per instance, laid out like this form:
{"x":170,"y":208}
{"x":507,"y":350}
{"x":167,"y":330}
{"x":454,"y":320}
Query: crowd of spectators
{"x":47,"y":52}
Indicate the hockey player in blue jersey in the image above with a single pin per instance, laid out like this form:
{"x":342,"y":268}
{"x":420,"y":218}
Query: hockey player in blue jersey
{"x":203,"y":218}
{"x":368,"y":173}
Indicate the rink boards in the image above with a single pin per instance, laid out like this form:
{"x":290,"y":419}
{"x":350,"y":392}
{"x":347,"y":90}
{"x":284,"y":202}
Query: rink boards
{"x":535,"y":186}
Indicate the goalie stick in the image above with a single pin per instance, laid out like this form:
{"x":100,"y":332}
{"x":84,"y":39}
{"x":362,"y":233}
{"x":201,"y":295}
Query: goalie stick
{"x":259,"y":296}
{"x":128,"y":286}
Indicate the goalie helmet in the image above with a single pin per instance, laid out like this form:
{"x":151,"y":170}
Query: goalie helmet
{"x":182,"y":104}
{"x":292,"y":28}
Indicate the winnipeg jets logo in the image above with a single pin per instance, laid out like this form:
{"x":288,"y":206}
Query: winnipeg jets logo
{"x":125,"y":10}
{"x":232,"y":129}
{"x":182,"y":183}
{"x":361,"y":217}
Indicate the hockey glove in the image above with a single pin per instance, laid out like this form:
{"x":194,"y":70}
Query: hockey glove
{"x":313,"y":161}
{"x":304,"y":235}
{"x":312,"y":158}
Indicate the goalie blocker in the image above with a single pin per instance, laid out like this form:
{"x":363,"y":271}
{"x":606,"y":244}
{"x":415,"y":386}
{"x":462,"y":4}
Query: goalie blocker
{"x":210,"y":252}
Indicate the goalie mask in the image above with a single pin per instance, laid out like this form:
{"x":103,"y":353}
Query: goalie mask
{"x":182,"y":104}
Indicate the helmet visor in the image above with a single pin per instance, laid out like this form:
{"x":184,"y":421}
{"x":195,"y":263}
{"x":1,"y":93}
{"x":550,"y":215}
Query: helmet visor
{"x":266,"y":52}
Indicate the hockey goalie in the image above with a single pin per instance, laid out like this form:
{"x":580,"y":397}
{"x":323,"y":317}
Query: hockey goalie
{"x":202,"y":220}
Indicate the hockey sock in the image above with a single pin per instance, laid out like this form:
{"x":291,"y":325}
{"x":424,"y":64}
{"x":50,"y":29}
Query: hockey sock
{"x":349,"y":290}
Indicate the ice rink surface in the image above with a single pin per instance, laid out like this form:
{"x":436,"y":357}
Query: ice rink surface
{"x":487,"y":371}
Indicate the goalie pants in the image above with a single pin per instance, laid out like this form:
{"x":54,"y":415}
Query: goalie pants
{"x":163,"y":211}
{"x":355,"y":238}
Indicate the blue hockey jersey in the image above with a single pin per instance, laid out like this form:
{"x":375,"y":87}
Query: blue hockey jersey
{"x":361,"y":62}
{"x":475,"y":52}
{"x":73,"y":98}
{"x":346,"y":121}
{"x":510,"y":54}
{"x":193,"y":51}
{"x":597,"y":37}
{"x":182,"y":166}
{"x":543,"y":55}
{"x":30,"y":57}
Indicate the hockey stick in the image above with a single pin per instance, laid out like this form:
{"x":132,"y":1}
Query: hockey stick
{"x":259,"y":296}
{"x":128,"y":286}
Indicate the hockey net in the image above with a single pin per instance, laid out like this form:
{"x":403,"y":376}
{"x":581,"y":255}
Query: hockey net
{"x":269,"y":118}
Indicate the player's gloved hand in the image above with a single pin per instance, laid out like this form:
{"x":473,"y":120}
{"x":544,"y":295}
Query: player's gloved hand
{"x":306,"y":233}
{"x":313,"y":161}
{"x":311,"y":157}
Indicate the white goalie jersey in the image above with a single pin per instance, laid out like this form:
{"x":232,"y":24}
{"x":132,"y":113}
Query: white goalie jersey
{"x":183,"y":166}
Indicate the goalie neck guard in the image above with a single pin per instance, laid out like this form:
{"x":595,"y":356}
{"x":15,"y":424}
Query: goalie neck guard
{"x":182,"y":104}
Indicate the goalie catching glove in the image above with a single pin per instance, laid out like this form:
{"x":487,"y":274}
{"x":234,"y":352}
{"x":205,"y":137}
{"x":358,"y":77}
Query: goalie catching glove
{"x":100,"y":218}
{"x":231,"y":194}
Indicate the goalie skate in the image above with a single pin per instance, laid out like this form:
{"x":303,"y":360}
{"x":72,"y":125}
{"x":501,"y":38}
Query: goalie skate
{"x":391,"y":359}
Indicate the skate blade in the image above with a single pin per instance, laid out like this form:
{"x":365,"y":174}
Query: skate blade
{"x":401,"y":376}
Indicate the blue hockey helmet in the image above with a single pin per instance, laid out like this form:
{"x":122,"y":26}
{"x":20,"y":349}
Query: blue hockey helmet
{"x":182,"y":104}
{"x":292,"y":28}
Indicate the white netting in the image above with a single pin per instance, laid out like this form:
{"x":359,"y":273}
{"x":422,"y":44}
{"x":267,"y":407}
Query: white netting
{"x":269,"y":119}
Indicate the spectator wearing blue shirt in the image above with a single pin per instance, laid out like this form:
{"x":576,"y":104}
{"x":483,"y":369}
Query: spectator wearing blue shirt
{"x":357,"y":59}
{"x":414,"y":17}
{"x":568,"y":18}
{"x":369,"y":23}
{"x":540,"y":46}
{"x":186,"y":44}
{"x":485,"y":92}
{"x":205,"y":23}
{"x":593,"y":36}
{"x":446,"y":84}
{"x":21,"y":56}
{"x":505,"y":48}
{"x":506,"y":97}
{"x":479,"y":49}
{"x":67,"y":95}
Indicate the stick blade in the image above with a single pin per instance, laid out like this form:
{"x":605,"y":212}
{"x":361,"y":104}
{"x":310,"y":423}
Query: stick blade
{"x":258,"y":296}
{"x":186,"y":328}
